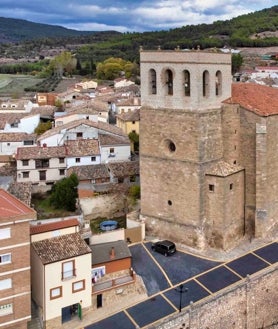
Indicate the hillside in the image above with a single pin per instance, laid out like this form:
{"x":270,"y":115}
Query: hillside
{"x":258,"y":29}
{"x":17,"y":30}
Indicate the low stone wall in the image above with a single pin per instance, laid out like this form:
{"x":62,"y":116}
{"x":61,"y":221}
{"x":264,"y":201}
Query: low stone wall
{"x":251,"y":304}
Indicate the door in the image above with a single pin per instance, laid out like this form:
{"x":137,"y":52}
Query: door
{"x":99,"y":301}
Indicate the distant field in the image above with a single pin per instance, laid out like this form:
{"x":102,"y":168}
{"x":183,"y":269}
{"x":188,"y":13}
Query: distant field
{"x":13,"y":85}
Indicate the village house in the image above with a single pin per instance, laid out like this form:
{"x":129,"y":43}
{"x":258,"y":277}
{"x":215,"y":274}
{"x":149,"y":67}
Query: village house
{"x":44,"y":165}
{"x":9,"y":142}
{"x":19,"y":123}
{"x":122,"y":82}
{"x":61,"y":278}
{"x":46,"y":229}
{"x":16,"y":106}
{"x":15,"y":287}
{"x":129,"y":121}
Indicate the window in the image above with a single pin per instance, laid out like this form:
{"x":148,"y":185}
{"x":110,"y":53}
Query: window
{"x":62,"y":172}
{"x":68,"y":270}
{"x":231,"y":186}
{"x":28,"y":142}
{"x":42,"y":163}
{"x":205,"y":84}
{"x":112,"y":152}
{"x":169,"y":81}
{"x":93,"y":159}
{"x":61,"y":160}
{"x":133,"y":122}
{"x":152,"y":77}
{"x":5,"y":233}
{"x":211,"y":187}
{"x":6,"y":309}
{"x":132,"y":178}
{"x":78,"y":286}
{"x":25,"y":174}
{"x":42,"y":174}
{"x":8,"y":144}
{"x":5,"y":284}
{"x":218,"y":83}
{"x":186,"y":83}
{"x":77,"y":160}
{"x":56,"y":292}
{"x":79,"y":135}
{"x":5,"y":259}
{"x":25,"y":162}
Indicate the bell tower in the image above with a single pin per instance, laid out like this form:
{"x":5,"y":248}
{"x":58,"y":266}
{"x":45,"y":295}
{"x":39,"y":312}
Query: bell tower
{"x":181,"y":144}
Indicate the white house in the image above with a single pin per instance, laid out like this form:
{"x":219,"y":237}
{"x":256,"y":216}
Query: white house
{"x":26,"y":124}
{"x":9,"y":142}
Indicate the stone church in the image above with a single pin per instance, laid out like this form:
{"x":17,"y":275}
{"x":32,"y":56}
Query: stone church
{"x":208,"y":150}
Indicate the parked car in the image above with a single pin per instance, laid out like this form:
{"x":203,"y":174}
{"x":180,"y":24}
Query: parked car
{"x":164,"y":247}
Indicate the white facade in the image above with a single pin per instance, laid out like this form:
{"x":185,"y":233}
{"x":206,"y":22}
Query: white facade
{"x":27,"y":124}
{"x":115,"y":153}
{"x":83,"y":161}
{"x":27,"y":171}
{"x":9,"y":148}
{"x":46,"y":280}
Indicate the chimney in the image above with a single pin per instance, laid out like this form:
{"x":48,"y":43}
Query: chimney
{"x":112,"y":253}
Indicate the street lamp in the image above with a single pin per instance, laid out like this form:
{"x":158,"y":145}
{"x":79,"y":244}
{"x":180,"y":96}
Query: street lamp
{"x":181,"y":290}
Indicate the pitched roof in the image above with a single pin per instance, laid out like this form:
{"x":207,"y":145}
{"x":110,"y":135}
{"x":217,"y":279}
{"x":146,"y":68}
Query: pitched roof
{"x":101,"y":253}
{"x":37,"y":152}
{"x":108,"y":140}
{"x":124,"y":168}
{"x":259,"y":99}
{"x":11,"y":207}
{"x":82,"y":147}
{"x":106,"y":127}
{"x":16,"y":137}
{"x":89,"y":171}
{"x":61,"y":247}
{"x":223,"y":169}
{"x":52,"y":226}
{"x":130,"y":115}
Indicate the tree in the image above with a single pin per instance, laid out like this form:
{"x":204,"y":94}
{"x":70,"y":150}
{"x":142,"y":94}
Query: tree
{"x":237,"y":61}
{"x":64,"y":193}
{"x":63,"y":63}
{"x":134,"y":138}
{"x":43,"y":127}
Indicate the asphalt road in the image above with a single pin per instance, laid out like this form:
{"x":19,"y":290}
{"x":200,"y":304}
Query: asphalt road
{"x":163,"y":277}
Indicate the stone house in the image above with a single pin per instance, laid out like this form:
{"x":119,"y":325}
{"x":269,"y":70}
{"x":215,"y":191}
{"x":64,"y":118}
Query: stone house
{"x":15,"y":287}
{"x":207,"y":157}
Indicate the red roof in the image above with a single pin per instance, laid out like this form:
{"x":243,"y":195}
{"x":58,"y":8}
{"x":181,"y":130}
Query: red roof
{"x":262,"y":100}
{"x":10,"y":206}
{"x":52,"y":226}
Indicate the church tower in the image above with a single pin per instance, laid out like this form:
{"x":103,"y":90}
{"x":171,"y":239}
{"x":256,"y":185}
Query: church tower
{"x":188,"y":192}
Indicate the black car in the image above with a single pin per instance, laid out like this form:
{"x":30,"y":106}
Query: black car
{"x":164,"y":247}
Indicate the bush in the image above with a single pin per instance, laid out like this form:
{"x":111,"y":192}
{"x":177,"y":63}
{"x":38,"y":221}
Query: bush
{"x":64,"y":193}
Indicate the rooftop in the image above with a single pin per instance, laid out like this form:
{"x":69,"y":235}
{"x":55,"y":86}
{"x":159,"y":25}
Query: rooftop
{"x":11,"y":207}
{"x":52,"y":226}
{"x":259,"y":99}
{"x":61,"y":247}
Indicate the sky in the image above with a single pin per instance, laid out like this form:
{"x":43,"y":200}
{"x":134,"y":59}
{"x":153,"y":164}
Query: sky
{"x":128,"y":15}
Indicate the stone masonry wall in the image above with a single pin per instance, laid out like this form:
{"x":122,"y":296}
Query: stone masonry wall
{"x":248,"y":305}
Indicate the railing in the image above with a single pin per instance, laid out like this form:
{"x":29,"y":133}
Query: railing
{"x":113,"y":283}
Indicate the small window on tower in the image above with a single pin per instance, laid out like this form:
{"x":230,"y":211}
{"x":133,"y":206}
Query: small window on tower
{"x":231,"y":186}
{"x":211,"y":187}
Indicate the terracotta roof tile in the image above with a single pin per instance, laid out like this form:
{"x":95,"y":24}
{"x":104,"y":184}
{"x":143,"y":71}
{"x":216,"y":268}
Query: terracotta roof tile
{"x":11,"y":207}
{"x":223,"y":169}
{"x":106,"y":140}
{"x":262,"y":100}
{"x":89,"y":171}
{"x":37,"y":152}
{"x":52,"y":226}
{"x":60,"y":248}
{"x":130,"y":116}
{"x":17,"y":137}
{"x":123,"y":169}
{"x":82,"y":147}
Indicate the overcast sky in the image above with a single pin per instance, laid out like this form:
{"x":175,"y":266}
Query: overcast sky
{"x":128,"y":15}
